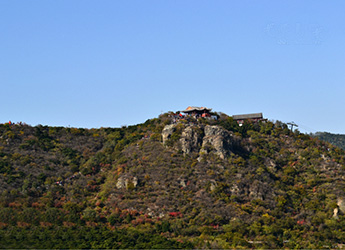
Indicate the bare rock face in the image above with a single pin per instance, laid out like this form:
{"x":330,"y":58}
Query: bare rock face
{"x":204,"y":140}
{"x":167,"y":132}
{"x":220,"y":140}
{"x":191,"y":139}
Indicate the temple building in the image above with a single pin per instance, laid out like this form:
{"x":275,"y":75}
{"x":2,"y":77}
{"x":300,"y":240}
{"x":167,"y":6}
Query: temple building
{"x":197,"y":111}
{"x":251,"y":117}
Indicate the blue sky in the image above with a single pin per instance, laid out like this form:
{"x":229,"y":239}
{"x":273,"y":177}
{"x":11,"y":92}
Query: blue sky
{"x":112,"y":63}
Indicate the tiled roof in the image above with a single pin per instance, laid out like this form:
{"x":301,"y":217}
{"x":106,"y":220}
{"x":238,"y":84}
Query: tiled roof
{"x":193,"y":108}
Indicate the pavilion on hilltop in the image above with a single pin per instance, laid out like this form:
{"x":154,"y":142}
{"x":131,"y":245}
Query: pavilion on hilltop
{"x":197,"y":111}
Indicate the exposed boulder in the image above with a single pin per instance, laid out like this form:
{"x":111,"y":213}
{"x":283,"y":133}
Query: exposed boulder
{"x":126,"y":183}
{"x":341,"y":205}
{"x":121,"y":183}
{"x":135,"y":181}
{"x":340,"y":210}
{"x":213,"y":185}
{"x":335,"y":213}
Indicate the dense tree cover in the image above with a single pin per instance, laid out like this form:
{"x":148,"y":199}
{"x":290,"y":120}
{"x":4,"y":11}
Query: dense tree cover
{"x":336,"y":139}
{"x":122,"y":188}
{"x":82,"y":237}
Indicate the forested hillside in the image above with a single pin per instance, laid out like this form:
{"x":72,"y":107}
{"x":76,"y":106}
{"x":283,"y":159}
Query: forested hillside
{"x":167,"y":183}
{"x":335,"y":139}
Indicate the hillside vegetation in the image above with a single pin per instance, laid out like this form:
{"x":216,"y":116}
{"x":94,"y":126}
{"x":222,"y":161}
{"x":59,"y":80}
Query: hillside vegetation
{"x":335,"y":139}
{"x":191,"y":184}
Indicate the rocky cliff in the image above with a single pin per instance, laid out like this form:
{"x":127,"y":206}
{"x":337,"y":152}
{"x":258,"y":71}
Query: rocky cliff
{"x":201,"y":139}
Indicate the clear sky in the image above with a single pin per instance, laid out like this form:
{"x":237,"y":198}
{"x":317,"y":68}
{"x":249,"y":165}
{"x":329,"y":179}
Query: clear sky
{"x":110,"y":63}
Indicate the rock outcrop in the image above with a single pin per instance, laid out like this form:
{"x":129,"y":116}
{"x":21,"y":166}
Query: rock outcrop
{"x":202,"y":139}
{"x":220,"y":140}
{"x":168,"y":130}
{"x":126,"y":182}
{"x":191,"y":139}
{"x":341,"y":204}
{"x":340,"y":209}
{"x":121,"y":183}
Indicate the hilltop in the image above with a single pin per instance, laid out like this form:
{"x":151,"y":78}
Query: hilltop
{"x":203,"y":182}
